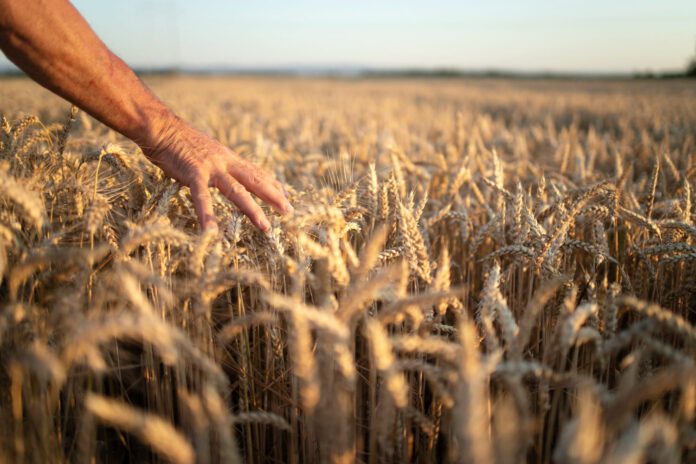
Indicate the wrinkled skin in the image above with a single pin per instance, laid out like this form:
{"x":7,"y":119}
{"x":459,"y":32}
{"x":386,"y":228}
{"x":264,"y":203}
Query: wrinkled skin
{"x":200,"y":162}
{"x":54,"y":45}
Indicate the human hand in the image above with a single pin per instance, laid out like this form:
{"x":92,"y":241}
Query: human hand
{"x":200,"y":162}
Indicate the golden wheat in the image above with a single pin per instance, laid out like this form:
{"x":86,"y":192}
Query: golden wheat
{"x":476,"y":271}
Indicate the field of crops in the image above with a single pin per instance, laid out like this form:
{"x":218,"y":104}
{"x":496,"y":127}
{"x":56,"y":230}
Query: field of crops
{"x":476,"y":271}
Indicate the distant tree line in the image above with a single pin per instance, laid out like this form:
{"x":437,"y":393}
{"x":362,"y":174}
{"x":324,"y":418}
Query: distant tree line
{"x":691,"y":68}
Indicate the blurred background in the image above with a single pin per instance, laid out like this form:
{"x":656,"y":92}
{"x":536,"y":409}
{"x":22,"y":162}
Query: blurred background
{"x":588,"y":37}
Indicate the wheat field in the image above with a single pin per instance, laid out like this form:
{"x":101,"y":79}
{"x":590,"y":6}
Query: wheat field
{"x":476,"y":271}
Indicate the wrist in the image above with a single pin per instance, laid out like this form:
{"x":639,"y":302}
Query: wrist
{"x":157,"y":127}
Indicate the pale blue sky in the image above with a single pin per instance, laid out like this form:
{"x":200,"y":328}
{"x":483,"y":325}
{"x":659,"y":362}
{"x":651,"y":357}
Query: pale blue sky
{"x":539,"y":35}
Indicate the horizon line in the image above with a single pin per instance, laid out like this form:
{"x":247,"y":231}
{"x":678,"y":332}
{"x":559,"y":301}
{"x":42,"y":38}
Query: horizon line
{"x":380,"y":71}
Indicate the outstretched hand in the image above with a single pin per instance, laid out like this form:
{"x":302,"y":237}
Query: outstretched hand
{"x":58,"y":49}
{"x":200,"y":162}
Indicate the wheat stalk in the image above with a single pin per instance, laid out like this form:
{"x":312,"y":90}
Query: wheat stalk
{"x":154,"y":431}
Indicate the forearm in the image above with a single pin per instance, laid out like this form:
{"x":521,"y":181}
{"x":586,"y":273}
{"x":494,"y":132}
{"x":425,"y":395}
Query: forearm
{"x":53,"y":44}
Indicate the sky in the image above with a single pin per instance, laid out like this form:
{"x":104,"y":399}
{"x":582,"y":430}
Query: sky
{"x":528,"y":36}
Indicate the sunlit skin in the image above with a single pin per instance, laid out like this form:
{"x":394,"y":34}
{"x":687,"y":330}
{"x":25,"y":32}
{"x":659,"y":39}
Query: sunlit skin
{"x":53,"y":44}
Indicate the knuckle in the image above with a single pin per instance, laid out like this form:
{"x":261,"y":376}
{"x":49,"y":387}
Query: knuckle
{"x":219,"y":166}
{"x":201,"y":180}
{"x":255,"y":175}
{"x":236,"y":189}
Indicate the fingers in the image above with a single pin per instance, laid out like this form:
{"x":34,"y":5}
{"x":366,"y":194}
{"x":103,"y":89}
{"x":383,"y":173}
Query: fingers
{"x":238,"y":195}
{"x":203,"y":204}
{"x":262,"y":184}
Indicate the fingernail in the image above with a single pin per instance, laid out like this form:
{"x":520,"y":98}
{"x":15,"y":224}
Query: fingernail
{"x":264,"y":225}
{"x":288,"y":208}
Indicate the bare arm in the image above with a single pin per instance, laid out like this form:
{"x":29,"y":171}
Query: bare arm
{"x":54,"y":45}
